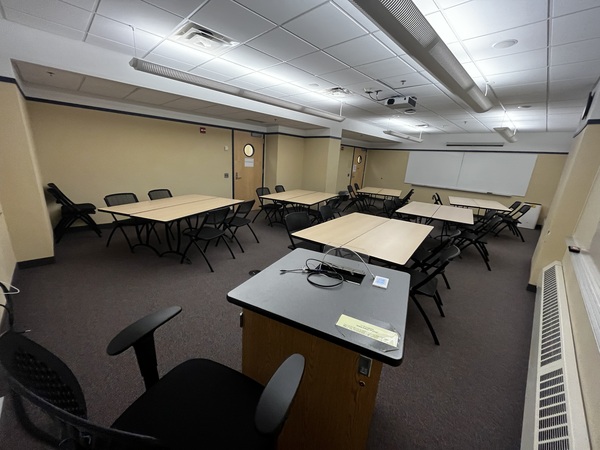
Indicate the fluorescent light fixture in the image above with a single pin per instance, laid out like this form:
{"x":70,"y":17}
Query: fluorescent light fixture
{"x":196,"y":80}
{"x":402,"y":21}
{"x":403,"y":136}
{"x":508,"y":134}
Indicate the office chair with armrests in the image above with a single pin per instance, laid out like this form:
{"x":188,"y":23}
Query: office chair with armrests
{"x":71,"y":212}
{"x":199,"y":403}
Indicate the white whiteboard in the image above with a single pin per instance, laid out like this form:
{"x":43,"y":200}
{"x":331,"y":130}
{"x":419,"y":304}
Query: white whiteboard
{"x":487,"y":172}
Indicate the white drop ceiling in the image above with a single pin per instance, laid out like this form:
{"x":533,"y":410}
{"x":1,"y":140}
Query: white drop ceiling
{"x":295,"y":50}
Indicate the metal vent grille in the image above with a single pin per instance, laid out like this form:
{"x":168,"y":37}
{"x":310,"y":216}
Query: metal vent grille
{"x":553,"y":405}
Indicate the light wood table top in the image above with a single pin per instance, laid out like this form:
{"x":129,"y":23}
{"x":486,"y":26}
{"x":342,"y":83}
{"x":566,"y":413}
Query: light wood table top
{"x":382,"y":192}
{"x":420,"y":209}
{"x":286,"y":195}
{"x":338,"y":232}
{"x":129,"y":209}
{"x":370,"y":190}
{"x":454,"y":214}
{"x":492,"y":204}
{"x":180,"y":211}
{"x":313,"y":198}
{"x":477,"y":203}
{"x":387,"y":239}
{"x":463,"y":201}
{"x":390,"y":192}
{"x":394,"y":240}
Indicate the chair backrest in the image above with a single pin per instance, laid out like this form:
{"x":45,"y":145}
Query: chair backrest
{"x":262,"y":191}
{"x":522,"y":210}
{"x":217,"y":217}
{"x":437,"y":199}
{"x":121,"y":198}
{"x":297,"y":221}
{"x":389,"y":207}
{"x":351,"y":191}
{"x":279,"y":188}
{"x":244,"y":208}
{"x":326,"y":212}
{"x":36,"y":374}
{"x":155,"y":194}
{"x":356,"y":186}
{"x":59,"y":196}
{"x":404,"y":200}
{"x":443,"y":258}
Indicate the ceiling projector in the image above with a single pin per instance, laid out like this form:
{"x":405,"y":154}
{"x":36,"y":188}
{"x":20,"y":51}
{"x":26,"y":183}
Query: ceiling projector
{"x":400,"y":102}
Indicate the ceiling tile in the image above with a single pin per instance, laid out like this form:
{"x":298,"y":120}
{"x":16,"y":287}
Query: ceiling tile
{"x":529,"y":37}
{"x":182,"y":8}
{"x":562,"y":8}
{"x":315,"y":26}
{"x":575,"y":52}
{"x":250,"y":57}
{"x":345,"y":77}
{"x":140,"y":15}
{"x":279,"y":11}
{"x":281,"y":44}
{"x":112,"y":30}
{"x":512,"y":63}
{"x":575,"y":70}
{"x":576,"y":27}
{"x":109,"y":44}
{"x":318,"y":63}
{"x":182,"y":53}
{"x":260,"y":80}
{"x":41,"y":24}
{"x":360,"y":51}
{"x":386,"y":67}
{"x":226,"y":68}
{"x":475,"y":18}
{"x":52,"y":11}
{"x":291,"y":74}
{"x":517,"y":78}
{"x":405,"y":82}
{"x":231,"y":20}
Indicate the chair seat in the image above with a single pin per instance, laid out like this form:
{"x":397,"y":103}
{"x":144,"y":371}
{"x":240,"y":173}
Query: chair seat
{"x":215,"y":411}
{"x":237,"y":221}
{"x":204,"y":234}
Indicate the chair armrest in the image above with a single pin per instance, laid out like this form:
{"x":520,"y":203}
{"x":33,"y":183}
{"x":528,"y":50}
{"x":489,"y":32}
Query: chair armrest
{"x":140,"y":335}
{"x":277,"y":397}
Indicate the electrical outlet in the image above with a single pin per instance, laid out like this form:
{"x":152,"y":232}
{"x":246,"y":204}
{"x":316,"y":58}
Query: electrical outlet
{"x":226,"y":175}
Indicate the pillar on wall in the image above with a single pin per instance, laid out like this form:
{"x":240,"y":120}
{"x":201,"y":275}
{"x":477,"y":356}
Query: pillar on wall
{"x":570,"y":199}
{"x":21,"y":187}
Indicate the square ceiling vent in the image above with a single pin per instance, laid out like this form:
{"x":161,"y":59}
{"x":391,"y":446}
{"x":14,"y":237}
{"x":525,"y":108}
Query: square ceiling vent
{"x":201,"y":38}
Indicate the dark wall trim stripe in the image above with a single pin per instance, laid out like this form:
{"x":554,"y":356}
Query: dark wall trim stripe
{"x":469,"y":151}
{"x":36,"y":262}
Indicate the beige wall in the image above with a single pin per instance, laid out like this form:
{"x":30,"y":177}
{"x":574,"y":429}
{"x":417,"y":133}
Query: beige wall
{"x":568,"y":204}
{"x":21,"y":192}
{"x":345,"y":168}
{"x":89,"y":154}
{"x":289,"y":164}
{"x":387,"y":168}
{"x":318,"y":165}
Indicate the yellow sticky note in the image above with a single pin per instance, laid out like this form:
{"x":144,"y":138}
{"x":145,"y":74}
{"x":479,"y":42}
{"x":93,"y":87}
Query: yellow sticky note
{"x":368,"y":329}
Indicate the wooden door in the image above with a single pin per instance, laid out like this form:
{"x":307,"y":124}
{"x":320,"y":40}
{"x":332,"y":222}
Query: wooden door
{"x":359,"y":161}
{"x":248,"y":153}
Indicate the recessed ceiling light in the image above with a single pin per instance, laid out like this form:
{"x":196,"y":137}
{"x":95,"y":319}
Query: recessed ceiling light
{"x":422,"y":125}
{"x":410,"y":111}
{"x":505,"y":44}
{"x":523,"y":106}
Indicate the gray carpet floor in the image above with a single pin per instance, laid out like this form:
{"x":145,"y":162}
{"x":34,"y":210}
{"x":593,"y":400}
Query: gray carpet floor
{"x":466,"y":393}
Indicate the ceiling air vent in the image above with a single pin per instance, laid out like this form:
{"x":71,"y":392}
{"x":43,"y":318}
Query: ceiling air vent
{"x":201,"y":38}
